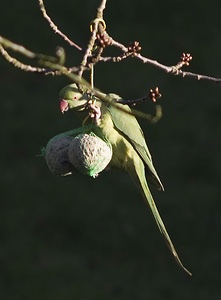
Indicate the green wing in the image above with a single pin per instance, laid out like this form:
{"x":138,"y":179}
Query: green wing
{"x":129,"y":127}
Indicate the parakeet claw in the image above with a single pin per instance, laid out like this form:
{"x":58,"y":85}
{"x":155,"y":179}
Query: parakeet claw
{"x":95,"y":112}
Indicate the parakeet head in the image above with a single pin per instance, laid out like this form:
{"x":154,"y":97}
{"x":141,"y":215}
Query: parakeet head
{"x":71,"y":98}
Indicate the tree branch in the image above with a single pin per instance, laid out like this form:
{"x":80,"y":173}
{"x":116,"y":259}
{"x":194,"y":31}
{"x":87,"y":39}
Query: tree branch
{"x":55,"y":28}
{"x":174,"y":71}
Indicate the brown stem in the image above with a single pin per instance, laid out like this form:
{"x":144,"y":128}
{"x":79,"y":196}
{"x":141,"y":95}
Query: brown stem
{"x":55,"y":28}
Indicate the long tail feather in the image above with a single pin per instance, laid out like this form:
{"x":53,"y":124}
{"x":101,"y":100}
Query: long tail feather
{"x":138,"y":175}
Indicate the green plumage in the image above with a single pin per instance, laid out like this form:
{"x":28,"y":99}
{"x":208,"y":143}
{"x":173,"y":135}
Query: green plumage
{"x":130,"y":151}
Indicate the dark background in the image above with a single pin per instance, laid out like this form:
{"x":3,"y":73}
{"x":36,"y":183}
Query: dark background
{"x":84,"y":238}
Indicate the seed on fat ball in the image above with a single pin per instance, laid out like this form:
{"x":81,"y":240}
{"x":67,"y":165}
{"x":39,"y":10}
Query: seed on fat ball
{"x":56,"y":155}
{"x":89,"y":154}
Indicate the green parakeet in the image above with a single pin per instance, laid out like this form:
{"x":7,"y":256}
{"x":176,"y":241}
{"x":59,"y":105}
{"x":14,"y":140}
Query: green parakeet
{"x":130,"y":151}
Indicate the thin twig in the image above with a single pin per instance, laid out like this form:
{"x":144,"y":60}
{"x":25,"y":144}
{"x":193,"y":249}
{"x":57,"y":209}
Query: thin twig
{"x":88,"y":50}
{"x":17,"y":48}
{"x":171,"y":70}
{"x":97,"y":22}
{"x":94,"y":29}
{"x":113,"y":58}
{"x":119,"y":45}
{"x":40,"y":58}
{"x":168,"y":69}
{"x":24,"y":51}
{"x":53,"y":68}
{"x":198,"y":76}
{"x":55,"y":28}
{"x":101,"y":9}
{"x":16,"y":63}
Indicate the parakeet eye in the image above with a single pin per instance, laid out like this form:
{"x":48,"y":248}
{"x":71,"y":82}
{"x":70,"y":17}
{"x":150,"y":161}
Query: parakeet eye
{"x":75,"y":98}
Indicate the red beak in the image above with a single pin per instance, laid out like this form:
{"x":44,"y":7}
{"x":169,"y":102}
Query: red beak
{"x":64,"y":106}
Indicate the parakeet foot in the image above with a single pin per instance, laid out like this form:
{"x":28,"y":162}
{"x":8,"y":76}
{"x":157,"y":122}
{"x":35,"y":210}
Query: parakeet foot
{"x":95,"y":112}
